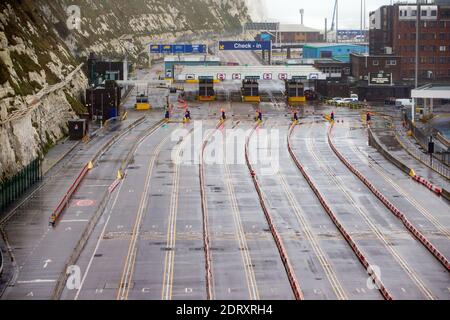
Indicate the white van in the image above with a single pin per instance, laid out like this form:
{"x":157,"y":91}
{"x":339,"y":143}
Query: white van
{"x":400,"y":103}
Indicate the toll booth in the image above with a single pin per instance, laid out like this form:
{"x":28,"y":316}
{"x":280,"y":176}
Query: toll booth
{"x":295,"y":91}
{"x":206,"y":89}
{"x":142,"y":99}
{"x":250,"y":91}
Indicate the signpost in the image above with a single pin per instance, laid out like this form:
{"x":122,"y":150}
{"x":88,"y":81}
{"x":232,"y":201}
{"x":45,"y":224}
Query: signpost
{"x":377,"y":79}
{"x":245,"y":45}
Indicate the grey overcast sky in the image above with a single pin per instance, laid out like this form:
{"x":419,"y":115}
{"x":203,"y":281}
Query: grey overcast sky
{"x":287,"y":11}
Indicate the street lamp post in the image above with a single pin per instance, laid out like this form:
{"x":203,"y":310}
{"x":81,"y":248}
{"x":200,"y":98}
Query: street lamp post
{"x":418,"y":13}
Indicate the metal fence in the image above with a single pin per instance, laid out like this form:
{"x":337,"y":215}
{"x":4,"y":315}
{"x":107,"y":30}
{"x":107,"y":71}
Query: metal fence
{"x":13,"y":188}
{"x":441,"y":166}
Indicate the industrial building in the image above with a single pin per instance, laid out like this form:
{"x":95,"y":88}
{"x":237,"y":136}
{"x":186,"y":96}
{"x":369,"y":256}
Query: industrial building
{"x":334,"y":69}
{"x":393,"y":32}
{"x":337,"y":51}
{"x":285,"y":33}
{"x":362,"y":66}
{"x":296,"y":33}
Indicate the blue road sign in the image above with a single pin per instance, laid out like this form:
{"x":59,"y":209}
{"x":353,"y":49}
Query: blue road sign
{"x":177,"y":48}
{"x":244,"y":45}
{"x":196,"y":48}
{"x":155,"y":48}
{"x":167,"y":48}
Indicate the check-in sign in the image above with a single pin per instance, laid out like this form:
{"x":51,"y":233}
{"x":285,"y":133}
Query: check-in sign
{"x":244,"y":45}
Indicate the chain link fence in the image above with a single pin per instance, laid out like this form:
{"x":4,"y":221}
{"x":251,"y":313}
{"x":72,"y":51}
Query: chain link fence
{"x":14,"y":187}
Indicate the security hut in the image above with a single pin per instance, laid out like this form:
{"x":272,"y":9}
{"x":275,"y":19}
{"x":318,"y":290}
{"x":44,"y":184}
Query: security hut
{"x":250,"y":90}
{"x":104,"y":102}
{"x":78,"y":129}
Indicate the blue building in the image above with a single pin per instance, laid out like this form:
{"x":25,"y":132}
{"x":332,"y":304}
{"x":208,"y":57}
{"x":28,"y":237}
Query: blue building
{"x":337,"y":51}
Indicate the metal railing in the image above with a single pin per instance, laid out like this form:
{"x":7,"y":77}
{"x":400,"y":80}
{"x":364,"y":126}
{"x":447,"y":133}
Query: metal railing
{"x":436,"y":162}
{"x":14,"y":187}
{"x":442,"y":153}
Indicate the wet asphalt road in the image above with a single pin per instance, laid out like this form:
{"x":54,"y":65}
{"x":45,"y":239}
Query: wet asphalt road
{"x":148,"y":243}
{"x":167,"y":261}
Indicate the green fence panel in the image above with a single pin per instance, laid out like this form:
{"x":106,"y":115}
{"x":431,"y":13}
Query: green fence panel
{"x":14,"y":187}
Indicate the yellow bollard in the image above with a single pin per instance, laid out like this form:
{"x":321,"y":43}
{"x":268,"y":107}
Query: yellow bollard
{"x":412,"y":173}
{"x":119,"y":175}
{"x":90,"y":165}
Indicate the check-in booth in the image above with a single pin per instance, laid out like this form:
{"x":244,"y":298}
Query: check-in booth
{"x":250,"y":90}
{"x":206,"y":90}
{"x":295,"y":91}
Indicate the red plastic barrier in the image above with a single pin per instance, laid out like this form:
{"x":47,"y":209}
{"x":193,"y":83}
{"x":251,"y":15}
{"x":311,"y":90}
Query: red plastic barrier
{"x":409,"y":226}
{"x":65,"y":200}
{"x":335,"y":220}
{"x":428,"y":185}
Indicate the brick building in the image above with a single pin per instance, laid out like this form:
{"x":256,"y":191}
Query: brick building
{"x":393,"y":31}
{"x":363,"y":65}
{"x":296,"y":33}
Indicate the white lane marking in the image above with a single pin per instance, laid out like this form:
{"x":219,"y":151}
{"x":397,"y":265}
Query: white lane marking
{"x":46,"y":262}
{"x":98,"y":242}
{"x":30,"y":294}
{"x":36,"y":281}
{"x":145,"y":290}
{"x":188,"y":290}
